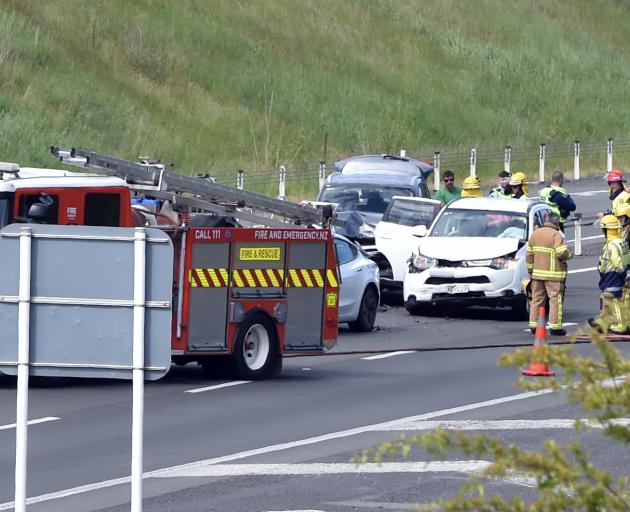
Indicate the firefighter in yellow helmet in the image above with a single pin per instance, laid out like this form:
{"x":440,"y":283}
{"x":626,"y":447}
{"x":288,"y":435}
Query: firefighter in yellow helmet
{"x":612,"y":267}
{"x":471,"y":187}
{"x":546,"y":257}
{"x":622,"y":212}
{"x":518,"y":182}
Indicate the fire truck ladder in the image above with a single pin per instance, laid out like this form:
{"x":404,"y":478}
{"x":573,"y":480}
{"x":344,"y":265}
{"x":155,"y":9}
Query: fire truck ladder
{"x":155,"y":180}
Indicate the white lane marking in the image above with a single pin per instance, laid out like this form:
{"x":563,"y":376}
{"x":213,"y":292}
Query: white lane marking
{"x":327,"y":468}
{"x":279,"y":447}
{"x":390,"y":354}
{"x":587,"y":193}
{"x":218,"y":386}
{"x":588,"y":238}
{"x":30,"y":422}
{"x":580,"y":270}
{"x":502,"y":424}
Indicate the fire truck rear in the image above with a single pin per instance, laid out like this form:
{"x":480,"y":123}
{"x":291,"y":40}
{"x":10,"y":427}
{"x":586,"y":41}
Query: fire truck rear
{"x":242,"y":296}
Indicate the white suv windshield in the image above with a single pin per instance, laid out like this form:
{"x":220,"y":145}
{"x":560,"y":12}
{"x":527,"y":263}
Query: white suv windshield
{"x":481,"y":224}
{"x":363,"y":198}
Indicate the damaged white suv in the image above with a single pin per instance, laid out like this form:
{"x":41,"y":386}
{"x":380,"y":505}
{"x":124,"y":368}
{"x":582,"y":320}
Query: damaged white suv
{"x":474,"y":254}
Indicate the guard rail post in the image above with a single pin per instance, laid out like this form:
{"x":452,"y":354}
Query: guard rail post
{"x":240,"y":179}
{"x":282,"y":183}
{"x":436,"y":171}
{"x":576,"y":160}
{"x":577,"y":250}
{"x":609,"y":155}
{"x":322,"y":174}
{"x":541,"y":163}
{"x":507,"y":158}
{"x":473,"y":162}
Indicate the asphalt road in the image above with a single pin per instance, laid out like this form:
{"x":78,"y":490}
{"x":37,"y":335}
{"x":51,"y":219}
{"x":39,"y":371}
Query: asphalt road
{"x":287,"y":444}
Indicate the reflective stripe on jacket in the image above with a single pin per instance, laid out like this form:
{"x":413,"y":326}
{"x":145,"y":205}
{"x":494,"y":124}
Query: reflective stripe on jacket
{"x":547,"y":253}
{"x":613,"y":265}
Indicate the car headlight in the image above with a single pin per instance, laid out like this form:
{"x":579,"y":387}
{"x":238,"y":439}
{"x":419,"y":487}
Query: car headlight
{"x":421,"y":262}
{"x":479,"y":263}
{"x":503,"y":263}
{"x":494,"y":263}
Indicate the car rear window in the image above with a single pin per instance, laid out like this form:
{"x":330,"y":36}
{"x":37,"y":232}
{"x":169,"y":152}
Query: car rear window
{"x":411,"y":213}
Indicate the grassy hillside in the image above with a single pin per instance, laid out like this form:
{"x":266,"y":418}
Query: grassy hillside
{"x":217,"y":85}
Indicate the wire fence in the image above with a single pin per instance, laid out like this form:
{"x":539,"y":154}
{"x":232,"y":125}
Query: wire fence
{"x":575,"y":159}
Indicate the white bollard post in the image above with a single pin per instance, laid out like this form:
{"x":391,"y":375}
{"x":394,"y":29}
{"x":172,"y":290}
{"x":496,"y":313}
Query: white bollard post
{"x":576,"y":160}
{"x":436,"y":171}
{"x":240,"y":179}
{"x":322,"y":174}
{"x":24,"y":321}
{"x":507,"y":158}
{"x":609,"y":155}
{"x":137,"y":426}
{"x":473,"y":162}
{"x":577,"y":250}
{"x":541,"y":163}
{"x":403,"y":153}
{"x":282,"y":183}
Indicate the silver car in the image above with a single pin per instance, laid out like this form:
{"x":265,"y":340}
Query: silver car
{"x":359,"y":293}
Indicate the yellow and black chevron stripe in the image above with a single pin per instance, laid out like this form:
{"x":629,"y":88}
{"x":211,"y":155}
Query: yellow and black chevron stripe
{"x":258,"y":278}
{"x":208,"y":277}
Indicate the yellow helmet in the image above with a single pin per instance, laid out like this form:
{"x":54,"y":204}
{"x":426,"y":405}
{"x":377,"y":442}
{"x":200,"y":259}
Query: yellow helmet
{"x":520,"y":178}
{"x":610,"y":222}
{"x":622,"y":209}
{"x":471,"y":187}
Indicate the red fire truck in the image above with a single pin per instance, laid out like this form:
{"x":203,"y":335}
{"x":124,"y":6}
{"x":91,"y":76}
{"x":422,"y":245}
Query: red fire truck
{"x":242,"y":296}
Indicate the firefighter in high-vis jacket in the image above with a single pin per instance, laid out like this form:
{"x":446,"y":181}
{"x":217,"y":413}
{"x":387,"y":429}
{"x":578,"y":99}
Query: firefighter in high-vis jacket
{"x":547,"y":254}
{"x":518,"y":185}
{"x":618,"y":192}
{"x":622,"y":212}
{"x":612,"y":267}
{"x":558,"y":199}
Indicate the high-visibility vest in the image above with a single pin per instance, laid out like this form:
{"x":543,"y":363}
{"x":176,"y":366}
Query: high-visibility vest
{"x":612,"y":266}
{"x":544,"y":196}
{"x":499,"y":193}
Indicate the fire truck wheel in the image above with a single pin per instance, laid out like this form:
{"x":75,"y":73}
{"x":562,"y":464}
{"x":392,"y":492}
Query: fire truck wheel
{"x":367,"y":311}
{"x":256,"y":349}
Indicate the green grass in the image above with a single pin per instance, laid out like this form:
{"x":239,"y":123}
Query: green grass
{"x":218,"y":85}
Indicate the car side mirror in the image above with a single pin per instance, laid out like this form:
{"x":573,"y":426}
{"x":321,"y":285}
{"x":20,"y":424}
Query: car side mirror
{"x":419,"y":231}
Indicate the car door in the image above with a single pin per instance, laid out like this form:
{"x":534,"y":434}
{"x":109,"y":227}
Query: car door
{"x":352,"y":279}
{"x":393,"y":235}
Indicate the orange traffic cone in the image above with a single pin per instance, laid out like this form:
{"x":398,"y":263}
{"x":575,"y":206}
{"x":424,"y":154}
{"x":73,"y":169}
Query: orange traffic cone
{"x":536,"y":367}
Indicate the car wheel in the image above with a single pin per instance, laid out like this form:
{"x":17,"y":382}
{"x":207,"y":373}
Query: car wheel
{"x":520,"y":308}
{"x":255,"y":353}
{"x":367,"y":311}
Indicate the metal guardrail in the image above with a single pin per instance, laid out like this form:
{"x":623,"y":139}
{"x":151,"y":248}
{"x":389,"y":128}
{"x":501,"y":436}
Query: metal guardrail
{"x":544,"y":157}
